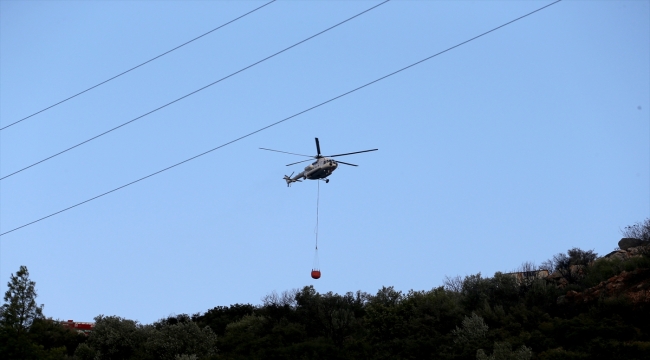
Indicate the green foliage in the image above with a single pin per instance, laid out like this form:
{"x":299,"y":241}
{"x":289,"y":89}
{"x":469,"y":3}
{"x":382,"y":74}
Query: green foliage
{"x":568,"y":265}
{"x":603,"y":269}
{"x":245,"y":335}
{"x":503,"y":290}
{"x":20,"y":308}
{"x":473,"y":330}
{"x":430,"y":317}
{"x":116,"y":338}
{"x":475,"y":317}
{"x":474,"y":292}
{"x":44,"y":340}
{"x":470,"y":336}
{"x":84,"y":352}
{"x":24,"y":334}
{"x":581,"y":257}
{"x":542,"y":294}
{"x":58,"y":353}
{"x":165,"y":340}
{"x":17,"y":345}
{"x":492,"y":314}
{"x":51,"y":335}
{"x":219,"y":317}
{"x":339,"y":315}
{"x":503,"y":351}
{"x":561,"y":354}
{"x":185,"y":357}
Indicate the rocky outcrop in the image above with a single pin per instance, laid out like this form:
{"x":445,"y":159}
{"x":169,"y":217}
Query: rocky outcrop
{"x":626,"y":243}
{"x":562,"y":279}
{"x":634,"y":285}
{"x":628,"y":252}
{"x":522,"y":277}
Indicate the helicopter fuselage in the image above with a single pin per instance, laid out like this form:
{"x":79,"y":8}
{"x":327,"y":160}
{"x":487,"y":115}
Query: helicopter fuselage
{"x":319,"y":169}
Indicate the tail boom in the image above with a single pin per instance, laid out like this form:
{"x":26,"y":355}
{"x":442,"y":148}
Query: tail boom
{"x":296,"y":178}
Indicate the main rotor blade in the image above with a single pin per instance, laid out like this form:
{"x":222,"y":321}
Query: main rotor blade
{"x":317,"y":147}
{"x":298,"y":162}
{"x":341,"y":162}
{"x":287,"y":152}
{"x":356,"y":152}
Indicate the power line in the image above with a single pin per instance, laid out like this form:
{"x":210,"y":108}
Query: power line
{"x":285,"y":119}
{"x":135,"y":67}
{"x":193,"y":92}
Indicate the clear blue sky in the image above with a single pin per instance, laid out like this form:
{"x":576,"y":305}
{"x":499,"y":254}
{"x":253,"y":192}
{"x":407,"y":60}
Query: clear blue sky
{"x":521,"y":144}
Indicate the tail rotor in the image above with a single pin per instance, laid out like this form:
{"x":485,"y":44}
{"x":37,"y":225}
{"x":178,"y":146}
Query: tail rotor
{"x":289,"y":180}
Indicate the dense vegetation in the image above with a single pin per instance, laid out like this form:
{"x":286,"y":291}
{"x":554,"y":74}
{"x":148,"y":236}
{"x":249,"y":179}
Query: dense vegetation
{"x":476,"y":317}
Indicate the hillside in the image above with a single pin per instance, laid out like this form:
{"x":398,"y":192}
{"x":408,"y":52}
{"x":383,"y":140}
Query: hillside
{"x":583,"y":307}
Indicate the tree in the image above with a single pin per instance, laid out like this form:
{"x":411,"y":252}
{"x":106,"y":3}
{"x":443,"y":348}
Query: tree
{"x":20,"y":308}
{"x":503,"y":351}
{"x":16,"y":317}
{"x":219,"y":317}
{"x":49,"y":334}
{"x":475,"y":291}
{"x":288,"y":297}
{"x":640,"y":230}
{"x":470,"y":337}
{"x":179,"y":336}
{"x":474,"y":329}
{"x":116,"y":338}
{"x":568,"y":264}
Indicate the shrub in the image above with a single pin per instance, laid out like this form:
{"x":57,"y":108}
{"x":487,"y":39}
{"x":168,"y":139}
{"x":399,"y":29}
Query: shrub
{"x":569,"y":264}
{"x":640,"y":230}
{"x":503,"y":351}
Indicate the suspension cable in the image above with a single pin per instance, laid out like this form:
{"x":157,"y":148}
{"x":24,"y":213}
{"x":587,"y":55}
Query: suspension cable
{"x":317,"y":202}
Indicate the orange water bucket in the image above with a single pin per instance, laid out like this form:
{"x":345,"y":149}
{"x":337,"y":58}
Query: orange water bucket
{"x":315,"y":274}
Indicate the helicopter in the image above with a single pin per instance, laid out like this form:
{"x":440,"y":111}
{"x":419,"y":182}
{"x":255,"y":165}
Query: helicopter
{"x":320,"y":169}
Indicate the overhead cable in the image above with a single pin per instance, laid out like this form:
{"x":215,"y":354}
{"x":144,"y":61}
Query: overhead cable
{"x":193,"y":92}
{"x":135,"y":67}
{"x":283,"y":120}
